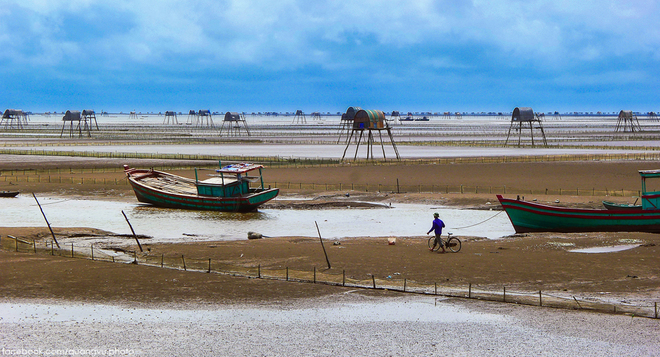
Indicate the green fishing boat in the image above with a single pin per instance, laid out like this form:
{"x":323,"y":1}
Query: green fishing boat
{"x":228,"y":189}
{"x":534,"y":217}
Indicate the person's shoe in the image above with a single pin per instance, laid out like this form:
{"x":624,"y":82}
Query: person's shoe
{"x":431,"y":249}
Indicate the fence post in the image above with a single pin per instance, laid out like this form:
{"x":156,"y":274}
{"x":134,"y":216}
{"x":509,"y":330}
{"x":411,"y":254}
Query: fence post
{"x":183,"y":259}
{"x":259,"y":272}
{"x":343,"y":279}
{"x":287,"y":273}
{"x":404,"y":284}
{"x":209,"y":265}
{"x":91,"y":249}
{"x":373,"y":278}
{"x":16,"y":244}
{"x":435,"y":288}
{"x":71,"y":250}
{"x":540,"y":299}
{"x":470,"y":291}
{"x":34,"y":244}
{"x":504,"y":295}
{"x":314,"y":275}
{"x":162,"y":259}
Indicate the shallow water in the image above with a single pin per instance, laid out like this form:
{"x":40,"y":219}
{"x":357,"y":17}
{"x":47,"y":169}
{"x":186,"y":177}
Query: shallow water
{"x":173,"y":225}
{"x":609,"y":249}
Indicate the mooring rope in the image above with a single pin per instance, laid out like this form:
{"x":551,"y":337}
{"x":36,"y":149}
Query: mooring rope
{"x":476,"y":224}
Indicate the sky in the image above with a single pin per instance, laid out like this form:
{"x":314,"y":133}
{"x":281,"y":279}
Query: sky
{"x":327,"y":55}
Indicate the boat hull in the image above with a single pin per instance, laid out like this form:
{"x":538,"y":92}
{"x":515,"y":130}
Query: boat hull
{"x":9,"y":193}
{"x":532,"y":217}
{"x":245,"y":203}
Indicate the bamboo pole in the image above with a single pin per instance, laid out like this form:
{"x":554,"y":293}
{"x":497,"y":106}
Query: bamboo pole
{"x":321,"y":239}
{"x":46,"y":219}
{"x":134,"y":235}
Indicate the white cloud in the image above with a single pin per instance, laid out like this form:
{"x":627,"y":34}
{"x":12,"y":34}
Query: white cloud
{"x":292,"y":33}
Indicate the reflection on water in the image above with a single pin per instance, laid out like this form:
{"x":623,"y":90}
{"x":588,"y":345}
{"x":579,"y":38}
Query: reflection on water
{"x":610,"y":249}
{"x":172,"y":225}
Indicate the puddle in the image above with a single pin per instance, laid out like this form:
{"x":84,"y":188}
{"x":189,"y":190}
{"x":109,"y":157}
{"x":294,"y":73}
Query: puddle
{"x":608,"y":249}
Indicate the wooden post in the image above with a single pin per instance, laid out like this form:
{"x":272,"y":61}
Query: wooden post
{"x":259,"y":272}
{"x":134,"y":235}
{"x":34,"y":244}
{"x":540,"y":299}
{"x":504,"y":295}
{"x":71,"y":250}
{"x":435,"y":288}
{"x":135,"y":258}
{"x":655,"y":309}
{"x":287,"y":273}
{"x":91,"y":249}
{"x":397,"y":186}
{"x":314,"y":275}
{"x":46,"y":219}
{"x":183,"y":259}
{"x":209,"y":266}
{"x":470,"y":291}
{"x":324,"y":252}
{"x":343,"y":279}
{"x":404,"y":284}
{"x":16,"y":244}
{"x":162,"y":259}
{"x":373,"y":278}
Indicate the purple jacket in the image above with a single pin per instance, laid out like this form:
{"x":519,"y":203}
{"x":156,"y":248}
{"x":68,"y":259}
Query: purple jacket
{"x":437,"y":226}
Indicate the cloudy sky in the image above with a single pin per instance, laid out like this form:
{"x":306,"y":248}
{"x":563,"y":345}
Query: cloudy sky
{"x":326,"y":55}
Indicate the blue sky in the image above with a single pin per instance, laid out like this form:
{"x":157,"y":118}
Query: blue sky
{"x":325,"y":55}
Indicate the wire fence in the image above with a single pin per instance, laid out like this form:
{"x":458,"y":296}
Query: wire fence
{"x":59,"y":176}
{"x":328,"y":277}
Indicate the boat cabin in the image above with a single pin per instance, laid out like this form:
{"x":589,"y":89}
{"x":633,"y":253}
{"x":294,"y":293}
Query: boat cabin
{"x":650,"y":195}
{"x":230,"y":181}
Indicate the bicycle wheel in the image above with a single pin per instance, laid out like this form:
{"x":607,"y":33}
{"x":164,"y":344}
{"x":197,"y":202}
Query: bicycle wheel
{"x":431,"y":241}
{"x":454,"y":244}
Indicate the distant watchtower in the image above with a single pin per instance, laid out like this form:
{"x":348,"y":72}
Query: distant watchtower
{"x":192,"y":118}
{"x":525,"y":117}
{"x":170,"y":116}
{"x":395,"y":117}
{"x":71,"y":116}
{"x":627,"y":119}
{"x":299,"y":118}
{"x":370,"y":120}
{"x":13,"y":119}
{"x":89,"y":115}
{"x":205,"y":118}
{"x":346,"y":124}
{"x":234,"y":122}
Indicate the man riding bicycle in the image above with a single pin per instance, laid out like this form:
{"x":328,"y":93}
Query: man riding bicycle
{"x":438,"y":224}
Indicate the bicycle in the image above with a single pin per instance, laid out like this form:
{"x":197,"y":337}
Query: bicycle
{"x":453,"y":244}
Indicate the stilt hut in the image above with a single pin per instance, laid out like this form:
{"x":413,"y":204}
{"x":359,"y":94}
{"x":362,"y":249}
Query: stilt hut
{"x":316,"y":116}
{"x":205,"y":118}
{"x":192,"y":118}
{"x":13,"y":119}
{"x":89,"y":115}
{"x":370,"y":121}
{"x":395,"y":117}
{"x":233,"y":122}
{"x":627,"y":119}
{"x":346,"y":124}
{"x":524,"y":116}
{"x":299,"y":118}
{"x":132,"y":115}
{"x":71,"y":116}
{"x":170,"y":117}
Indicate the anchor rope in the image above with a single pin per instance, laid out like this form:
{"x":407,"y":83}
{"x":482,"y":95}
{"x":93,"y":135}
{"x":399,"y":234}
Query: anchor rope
{"x":476,"y":224}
